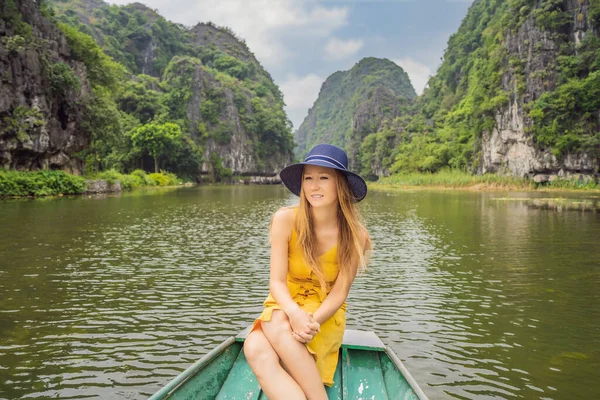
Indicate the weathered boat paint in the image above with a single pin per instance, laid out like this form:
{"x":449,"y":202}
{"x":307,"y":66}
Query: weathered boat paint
{"x":367,"y":369}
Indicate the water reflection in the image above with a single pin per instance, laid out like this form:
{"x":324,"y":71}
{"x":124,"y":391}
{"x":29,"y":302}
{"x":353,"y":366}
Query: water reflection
{"x":112,"y":297}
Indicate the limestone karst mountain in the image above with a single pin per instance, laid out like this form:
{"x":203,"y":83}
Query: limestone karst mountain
{"x":353,"y":104}
{"x":518,"y":92}
{"x":135,"y":68}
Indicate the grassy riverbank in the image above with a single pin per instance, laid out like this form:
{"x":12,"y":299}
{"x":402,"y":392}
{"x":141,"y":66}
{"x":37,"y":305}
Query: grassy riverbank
{"x":449,"y":179}
{"x":53,"y":183}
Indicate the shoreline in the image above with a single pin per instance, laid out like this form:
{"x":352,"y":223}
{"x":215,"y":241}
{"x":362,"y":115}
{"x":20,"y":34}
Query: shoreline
{"x":481,"y":187}
{"x":459,"y":180}
{"x":56,"y":183}
{"x":92,"y":194}
{"x":475,"y":187}
{"x":51,"y":184}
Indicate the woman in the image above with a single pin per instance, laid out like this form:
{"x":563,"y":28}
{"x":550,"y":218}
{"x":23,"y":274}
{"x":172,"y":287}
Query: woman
{"x":316,"y":251}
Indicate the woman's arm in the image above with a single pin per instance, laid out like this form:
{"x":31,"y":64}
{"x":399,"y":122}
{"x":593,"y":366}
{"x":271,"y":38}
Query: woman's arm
{"x":339,"y":292}
{"x":336,"y":297}
{"x":281,"y":228}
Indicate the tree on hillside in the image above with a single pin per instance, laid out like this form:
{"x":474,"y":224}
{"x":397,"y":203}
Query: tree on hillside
{"x":159,"y":140}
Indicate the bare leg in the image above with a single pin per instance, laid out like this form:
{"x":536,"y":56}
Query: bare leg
{"x":294,"y":355}
{"x":264,"y":362}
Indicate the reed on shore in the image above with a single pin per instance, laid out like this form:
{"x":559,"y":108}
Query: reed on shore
{"x":454,"y":179}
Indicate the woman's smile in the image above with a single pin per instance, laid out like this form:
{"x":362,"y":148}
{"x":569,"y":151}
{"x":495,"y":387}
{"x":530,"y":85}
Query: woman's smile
{"x":320,"y":185}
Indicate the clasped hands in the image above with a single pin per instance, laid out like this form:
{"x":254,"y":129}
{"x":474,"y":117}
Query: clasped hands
{"x":304,"y":326}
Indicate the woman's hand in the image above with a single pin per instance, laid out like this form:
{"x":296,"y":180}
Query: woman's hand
{"x":304,"y":326}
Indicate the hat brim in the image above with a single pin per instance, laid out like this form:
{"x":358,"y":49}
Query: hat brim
{"x":291,"y":176}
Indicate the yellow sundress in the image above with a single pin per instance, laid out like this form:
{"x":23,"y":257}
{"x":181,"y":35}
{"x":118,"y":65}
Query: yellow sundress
{"x":307,"y":293}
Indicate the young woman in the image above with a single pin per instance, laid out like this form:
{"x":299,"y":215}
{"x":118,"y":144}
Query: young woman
{"x":317,"y":248}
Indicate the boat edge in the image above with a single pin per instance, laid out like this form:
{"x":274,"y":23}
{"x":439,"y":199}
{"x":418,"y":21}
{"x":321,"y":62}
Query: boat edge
{"x":409,"y":378}
{"x":191,"y":371}
{"x":180,"y":379}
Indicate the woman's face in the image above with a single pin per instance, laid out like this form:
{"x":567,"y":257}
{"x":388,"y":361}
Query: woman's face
{"x":320,"y":185}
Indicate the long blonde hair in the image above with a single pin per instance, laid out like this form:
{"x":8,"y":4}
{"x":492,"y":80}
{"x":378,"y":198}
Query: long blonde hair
{"x":353,"y":237}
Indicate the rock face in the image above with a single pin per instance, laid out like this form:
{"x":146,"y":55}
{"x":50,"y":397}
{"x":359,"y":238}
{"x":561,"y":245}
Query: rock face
{"x":509,"y":148}
{"x":101,"y":186}
{"x":39,"y":125}
{"x":239,"y":152}
{"x":207,"y":34}
{"x":353,"y":104}
{"x":223,"y":120}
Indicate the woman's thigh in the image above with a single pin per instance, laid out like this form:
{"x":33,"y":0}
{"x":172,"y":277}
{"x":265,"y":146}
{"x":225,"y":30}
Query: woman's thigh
{"x":294,"y":356}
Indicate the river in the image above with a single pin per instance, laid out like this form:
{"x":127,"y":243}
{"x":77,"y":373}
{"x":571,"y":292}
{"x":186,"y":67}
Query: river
{"x":483,"y":295}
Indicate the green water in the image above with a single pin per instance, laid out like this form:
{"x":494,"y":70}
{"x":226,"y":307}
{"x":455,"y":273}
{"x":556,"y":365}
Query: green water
{"x":482,"y":295}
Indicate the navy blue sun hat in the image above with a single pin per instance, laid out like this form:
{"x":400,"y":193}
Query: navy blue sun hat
{"x":324,"y":155}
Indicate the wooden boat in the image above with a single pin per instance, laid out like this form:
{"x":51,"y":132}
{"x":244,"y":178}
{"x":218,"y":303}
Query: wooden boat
{"x":367,"y":369}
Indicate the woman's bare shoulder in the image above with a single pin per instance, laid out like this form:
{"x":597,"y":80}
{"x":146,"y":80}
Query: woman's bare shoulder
{"x":283,"y":220}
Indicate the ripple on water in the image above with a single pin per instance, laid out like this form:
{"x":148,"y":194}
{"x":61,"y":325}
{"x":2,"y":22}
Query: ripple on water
{"x":473,"y":294}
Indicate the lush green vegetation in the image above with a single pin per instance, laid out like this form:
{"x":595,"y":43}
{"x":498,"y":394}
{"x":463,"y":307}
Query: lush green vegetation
{"x":142,"y":111}
{"x":259,"y":103}
{"x":444,"y":127}
{"x":138,"y":178}
{"x":466,"y":93}
{"x":160,"y":110}
{"x":463,"y":97}
{"x":53,"y":183}
{"x":162,"y":140}
{"x":125,"y":32}
{"x":39,"y":183}
{"x":160,"y":92}
{"x":453,"y":178}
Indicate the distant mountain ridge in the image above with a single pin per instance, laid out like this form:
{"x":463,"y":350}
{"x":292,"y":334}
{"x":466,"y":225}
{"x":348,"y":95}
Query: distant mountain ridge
{"x":352,"y":104}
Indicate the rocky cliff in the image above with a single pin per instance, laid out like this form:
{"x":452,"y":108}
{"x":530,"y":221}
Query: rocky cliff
{"x":246,"y":110}
{"x":510,"y":147}
{"x":517,"y":93}
{"x":233,"y":124}
{"x":42,"y":91}
{"x":353,"y":104}
{"x":228,"y":102}
{"x":136,"y":68}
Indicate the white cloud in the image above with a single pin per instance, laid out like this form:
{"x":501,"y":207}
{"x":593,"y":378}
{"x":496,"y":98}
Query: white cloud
{"x":417,"y":72}
{"x":262,"y":23}
{"x":337,"y":49}
{"x":299,"y":94}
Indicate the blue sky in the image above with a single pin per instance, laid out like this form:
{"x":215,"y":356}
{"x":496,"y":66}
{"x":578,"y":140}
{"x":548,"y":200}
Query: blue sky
{"x":302,"y":42}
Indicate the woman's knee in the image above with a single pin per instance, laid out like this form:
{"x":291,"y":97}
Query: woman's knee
{"x":258,"y":350}
{"x":278,"y":326}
